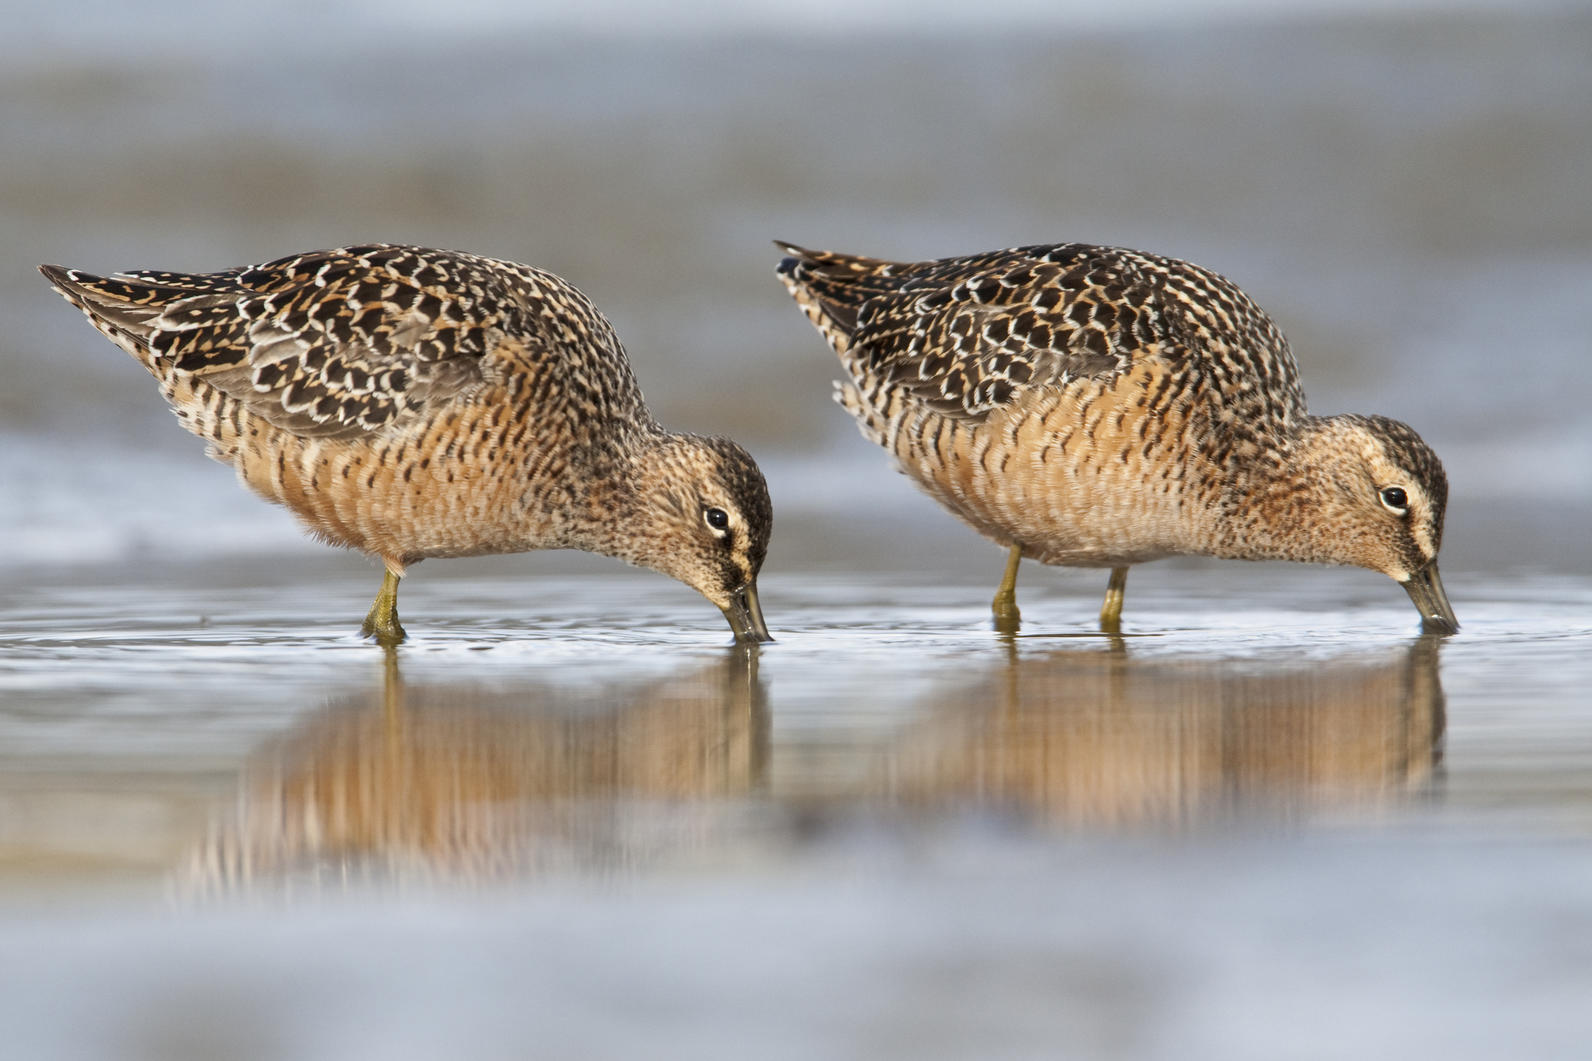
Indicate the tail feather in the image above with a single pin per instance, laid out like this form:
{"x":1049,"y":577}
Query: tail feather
{"x":831,"y":288}
{"x":124,"y":297}
{"x":154,"y":315}
{"x":120,"y":310}
{"x":130,"y":310}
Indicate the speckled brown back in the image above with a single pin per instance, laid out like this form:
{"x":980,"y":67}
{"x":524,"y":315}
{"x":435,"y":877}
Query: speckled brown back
{"x":342,"y":342}
{"x":966,"y":335}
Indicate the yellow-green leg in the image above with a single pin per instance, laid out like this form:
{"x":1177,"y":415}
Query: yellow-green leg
{"x":1007,"y":617}
{"x":1111,"y":610}
{"x":382,"y":625}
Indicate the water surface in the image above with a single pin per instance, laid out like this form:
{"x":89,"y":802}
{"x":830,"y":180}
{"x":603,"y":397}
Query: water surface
{"x":208,"y":784}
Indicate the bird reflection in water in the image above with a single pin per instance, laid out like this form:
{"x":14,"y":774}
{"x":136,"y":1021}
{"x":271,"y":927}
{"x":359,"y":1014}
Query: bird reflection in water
{"x":449,"y":783}
{"x":1097,"y":738}
{"x":445,"y":783}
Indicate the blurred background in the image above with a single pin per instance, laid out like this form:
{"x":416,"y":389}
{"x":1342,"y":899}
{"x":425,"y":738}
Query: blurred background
{"x":1402,"y":185}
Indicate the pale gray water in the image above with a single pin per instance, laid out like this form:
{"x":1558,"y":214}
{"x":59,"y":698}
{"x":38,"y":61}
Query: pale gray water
{"x":574,"y":816}
{"x":1272,"y":821}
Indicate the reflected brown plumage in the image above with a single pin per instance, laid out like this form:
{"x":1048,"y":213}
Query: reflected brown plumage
{"x":1100,"y":738}
{"x":480,"y":785}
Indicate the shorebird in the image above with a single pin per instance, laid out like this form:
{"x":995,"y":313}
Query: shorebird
{"x":413,"y":403}
{"x":1099,"y":407}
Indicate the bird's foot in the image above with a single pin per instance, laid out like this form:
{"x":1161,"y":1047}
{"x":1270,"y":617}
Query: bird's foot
{"x":381,"y":625}
{"x":1006,"y":616}
{"x":386,"y":630}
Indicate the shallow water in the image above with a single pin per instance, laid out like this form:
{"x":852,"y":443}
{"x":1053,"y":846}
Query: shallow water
{"x":1313,"y":696}
{"x":569,"y":803}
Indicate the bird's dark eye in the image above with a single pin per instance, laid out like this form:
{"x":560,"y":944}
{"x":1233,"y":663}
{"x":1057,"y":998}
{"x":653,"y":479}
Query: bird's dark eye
{"x":1395,"y":500}
{"x":717,"y":518}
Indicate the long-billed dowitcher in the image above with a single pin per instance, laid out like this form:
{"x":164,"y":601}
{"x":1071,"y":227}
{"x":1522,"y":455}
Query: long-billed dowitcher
{"x":1099,"y":407}
{"x":414,"y":403}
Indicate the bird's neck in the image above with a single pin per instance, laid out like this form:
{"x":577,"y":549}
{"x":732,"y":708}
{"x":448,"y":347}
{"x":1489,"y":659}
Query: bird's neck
{"x":1272,"y":502}
{"x":619,"y":514}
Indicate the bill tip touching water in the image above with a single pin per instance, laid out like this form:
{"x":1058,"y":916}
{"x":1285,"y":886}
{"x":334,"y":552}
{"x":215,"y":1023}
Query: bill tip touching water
{"x":414,"y":403}
{"x":1093,"y":406}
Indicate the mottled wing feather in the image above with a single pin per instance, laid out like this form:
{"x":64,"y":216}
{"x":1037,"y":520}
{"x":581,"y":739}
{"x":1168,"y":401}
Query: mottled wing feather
{"x":344,"y":342}
{"x":968,"y":335}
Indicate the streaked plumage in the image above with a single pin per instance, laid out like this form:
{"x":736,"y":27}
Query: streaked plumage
{"x":415,"y":403}
{"x":1101,"y":407}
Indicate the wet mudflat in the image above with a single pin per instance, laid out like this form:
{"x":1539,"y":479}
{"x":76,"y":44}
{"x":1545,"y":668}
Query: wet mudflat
{"x":892,"y":832}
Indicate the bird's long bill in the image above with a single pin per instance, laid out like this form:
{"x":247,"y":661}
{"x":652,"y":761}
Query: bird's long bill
{"x":746,"y":615}
{"x":1425,"y":588}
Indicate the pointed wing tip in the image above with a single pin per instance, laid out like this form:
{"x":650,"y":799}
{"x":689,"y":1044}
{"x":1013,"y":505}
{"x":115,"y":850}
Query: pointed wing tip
{"x":56,"y":274}
{"x":800,"y":253}
{"x":87,"y":291}
{"x":70,"y":284}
